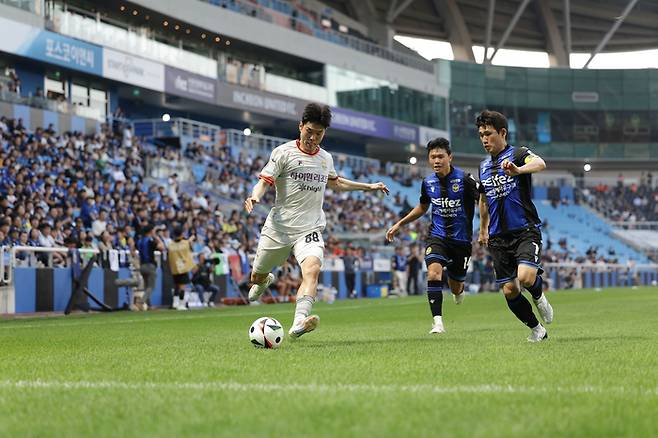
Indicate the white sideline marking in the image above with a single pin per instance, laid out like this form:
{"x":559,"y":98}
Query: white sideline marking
{"x":322,"y":388}
{"x":217,"y":313}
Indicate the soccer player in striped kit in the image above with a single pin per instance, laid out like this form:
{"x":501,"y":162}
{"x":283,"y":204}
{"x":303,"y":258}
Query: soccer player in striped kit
{"x":452,"y":194}
{"x":509,"y":223}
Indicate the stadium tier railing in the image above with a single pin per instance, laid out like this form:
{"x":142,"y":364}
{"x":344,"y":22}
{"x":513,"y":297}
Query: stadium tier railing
{"x":643,"y":225}
{"x":34,"y":6}
{"x":9,"y":258}
{"x":208,"y":134}
{"x":187,"y":129}
{"x":359,"y":44}
{"x":80,"y":25}
{"x":63,"y":107}
{"x":600,"y":275}
{"x":263,"y":144}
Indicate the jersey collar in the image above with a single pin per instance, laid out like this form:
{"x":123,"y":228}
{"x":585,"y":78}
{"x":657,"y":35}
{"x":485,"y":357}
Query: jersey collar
{"x":501,"y":152}
{"x":452,"y":169}
{"x":297,"y":142}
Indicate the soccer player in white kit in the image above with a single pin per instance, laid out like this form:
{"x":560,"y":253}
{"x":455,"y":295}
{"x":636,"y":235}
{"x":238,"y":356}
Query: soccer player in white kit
{"x":300,"y":171}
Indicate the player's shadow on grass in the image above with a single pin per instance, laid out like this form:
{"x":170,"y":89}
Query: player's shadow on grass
{"x":387,"y":341}
{"x":574,"y":339}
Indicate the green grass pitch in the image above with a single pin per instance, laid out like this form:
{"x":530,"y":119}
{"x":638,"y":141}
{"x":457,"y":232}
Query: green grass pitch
{"x":371,"y":369}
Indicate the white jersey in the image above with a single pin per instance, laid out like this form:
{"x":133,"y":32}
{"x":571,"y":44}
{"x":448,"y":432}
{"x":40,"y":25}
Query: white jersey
{"x":300,"y":179}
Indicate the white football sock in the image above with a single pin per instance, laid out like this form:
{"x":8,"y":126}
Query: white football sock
{"x":303,"y":308}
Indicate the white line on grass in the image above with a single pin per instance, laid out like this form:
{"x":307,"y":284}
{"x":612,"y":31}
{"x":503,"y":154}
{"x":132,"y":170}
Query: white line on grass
{"x":60,"y":322}
{"x":322,"y":388}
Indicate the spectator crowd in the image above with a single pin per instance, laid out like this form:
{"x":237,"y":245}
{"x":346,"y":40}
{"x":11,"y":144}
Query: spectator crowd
{"x":95,"y":191}
{"x":630,"y":203}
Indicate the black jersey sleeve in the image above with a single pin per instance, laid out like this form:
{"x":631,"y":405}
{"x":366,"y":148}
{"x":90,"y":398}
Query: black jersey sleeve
{"x":480,"y":186}
{"x":424,"y":197}
{"x":471,"y":189}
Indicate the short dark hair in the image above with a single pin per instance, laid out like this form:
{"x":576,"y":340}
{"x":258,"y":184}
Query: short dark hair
{"x":439,"y":143}
{"x":316,"y":113}
{"x":492,"y":118}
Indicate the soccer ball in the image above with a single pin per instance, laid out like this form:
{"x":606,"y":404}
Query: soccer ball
{"x":266,"y":332}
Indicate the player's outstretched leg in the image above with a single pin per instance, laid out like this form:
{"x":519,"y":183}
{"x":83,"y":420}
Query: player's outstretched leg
{"x":520,"y":306}
{"x":435,"y":293}
{"x":257,"y":289}
{"x":533,"y":283}
{"x":435,"y":298}
{"x":305,"y":322}
{"x":457,"y":288}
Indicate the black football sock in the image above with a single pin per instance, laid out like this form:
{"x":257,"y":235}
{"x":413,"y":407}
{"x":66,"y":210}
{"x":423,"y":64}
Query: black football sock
{"x":521,"y":307}
{"x":435,"y":296}
{"x":536,"y":289}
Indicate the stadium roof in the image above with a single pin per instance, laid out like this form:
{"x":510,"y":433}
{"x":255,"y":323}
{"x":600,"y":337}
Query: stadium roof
{"x":515,"y":24}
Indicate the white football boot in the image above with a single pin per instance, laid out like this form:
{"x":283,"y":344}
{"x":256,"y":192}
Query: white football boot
{"x":437,"y":327}
{"x":306,"y":325}
{"x":538,"y":334}
{"x":258,"y":289}
{"x":459,"y":298}
{"x":544,"y":308}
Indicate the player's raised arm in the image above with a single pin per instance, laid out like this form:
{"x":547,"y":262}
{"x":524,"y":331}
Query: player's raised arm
{"x":256,"y":194}
{"x":267,"y":177}
{"x":418,"y":211}
{"x":525,"y":162}
{"x":341,"y":184}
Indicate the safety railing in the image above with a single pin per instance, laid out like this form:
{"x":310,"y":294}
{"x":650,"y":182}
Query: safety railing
{"x":96,"y":30}
{"x":302,"y":25}
{"x":26,"y":256}
{"x":190,"y":130}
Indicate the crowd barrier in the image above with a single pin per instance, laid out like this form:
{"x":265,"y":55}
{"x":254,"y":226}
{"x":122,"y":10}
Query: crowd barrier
{"x":33,"y":285}
{"x":593,"y":275}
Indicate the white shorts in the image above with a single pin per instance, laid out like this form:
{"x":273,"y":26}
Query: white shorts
{"x":275,"y":247}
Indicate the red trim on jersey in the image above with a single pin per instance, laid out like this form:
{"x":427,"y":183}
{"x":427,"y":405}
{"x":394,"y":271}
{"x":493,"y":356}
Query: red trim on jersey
{"x":307,"y":153}
{"x":269,"y":180}
{"x":334,"y":178}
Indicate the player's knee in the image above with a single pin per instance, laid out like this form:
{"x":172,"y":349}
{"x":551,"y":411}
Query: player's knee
{"x":311,"y":270}
{"x":457,"y":287}
{"x":435,"y":272}
{"x":527,"y":279}
{"x":511,"y":290}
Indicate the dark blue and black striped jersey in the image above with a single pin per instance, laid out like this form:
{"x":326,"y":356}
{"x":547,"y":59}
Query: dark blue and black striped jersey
{"x":509,"y":197}
{"x":453,"y":204}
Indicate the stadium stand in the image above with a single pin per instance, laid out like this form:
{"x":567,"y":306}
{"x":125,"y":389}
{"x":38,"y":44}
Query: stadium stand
{"x":625,"y":203}
{"x":300,"y":19}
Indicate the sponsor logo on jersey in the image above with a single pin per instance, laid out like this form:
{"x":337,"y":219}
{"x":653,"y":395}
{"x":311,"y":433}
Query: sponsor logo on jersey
{"x":498,"y":186}
{"x":455,"y":188}
{"x":446,"y":202}
{"x":308,"y":177}
{"x":497,"y":181}
{"x":428,"y":251}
